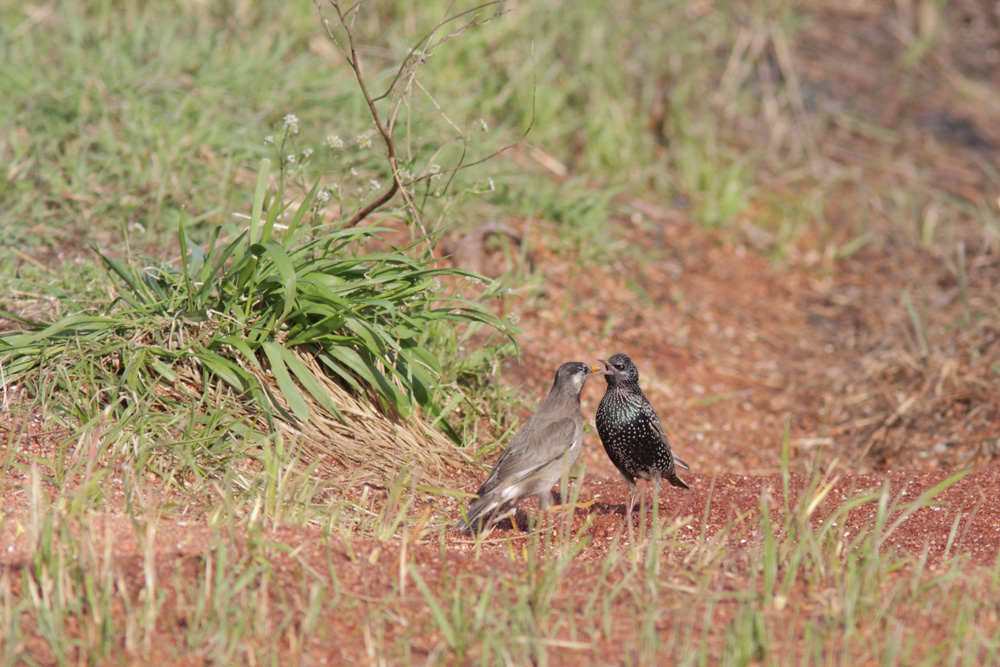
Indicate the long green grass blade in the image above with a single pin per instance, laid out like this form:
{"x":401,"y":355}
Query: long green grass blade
{"x":439,"y":617}
{"x":367,"y":372}
{"x":309,"y":381}
{"x":286,"y":270}
{"x":293,"y":226}
{"x":259,"y":193}
{"x":229,"y":372}
{"x":286,"y":385}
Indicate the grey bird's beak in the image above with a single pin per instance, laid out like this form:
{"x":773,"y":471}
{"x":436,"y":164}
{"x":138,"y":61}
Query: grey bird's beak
{"x":597,"y":370}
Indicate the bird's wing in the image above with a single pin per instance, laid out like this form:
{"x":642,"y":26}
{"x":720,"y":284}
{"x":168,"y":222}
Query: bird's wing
{"x":660,"y":431}
{"x":533,"y":448}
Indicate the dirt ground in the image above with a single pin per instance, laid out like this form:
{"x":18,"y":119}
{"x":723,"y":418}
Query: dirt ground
{"x":732,"y":348}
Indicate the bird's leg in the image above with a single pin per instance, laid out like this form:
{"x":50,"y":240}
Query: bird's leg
{"x":656,"y":484}
{"x":628,"y":514}
{"x":513,"y":520}
{"x":634,"y":489}
{"x":640,"y":489}
{"x":545,"y":501}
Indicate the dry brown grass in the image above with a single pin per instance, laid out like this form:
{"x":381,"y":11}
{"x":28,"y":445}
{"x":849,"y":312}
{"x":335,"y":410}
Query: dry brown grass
{"x":373,"y":442}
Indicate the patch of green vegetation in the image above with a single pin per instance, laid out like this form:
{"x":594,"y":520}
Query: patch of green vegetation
{"x":120,"y":113}
{"x":256,"y":324}
{"x":364,"y":316}
{"x":126,"y":116}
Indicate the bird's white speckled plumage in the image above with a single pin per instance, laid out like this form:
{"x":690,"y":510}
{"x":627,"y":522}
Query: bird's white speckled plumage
{"x":631,"y":431}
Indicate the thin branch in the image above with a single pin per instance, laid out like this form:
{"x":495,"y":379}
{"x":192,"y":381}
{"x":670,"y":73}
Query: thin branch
{"x":504,"y":149}
{"x":410,"y":63}
{"x":423,"y":41}
{"x":354,"y":60}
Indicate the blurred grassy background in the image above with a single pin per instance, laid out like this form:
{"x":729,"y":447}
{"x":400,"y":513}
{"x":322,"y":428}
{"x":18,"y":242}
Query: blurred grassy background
{"x":809,"y":132}
{"x":120,"y":114}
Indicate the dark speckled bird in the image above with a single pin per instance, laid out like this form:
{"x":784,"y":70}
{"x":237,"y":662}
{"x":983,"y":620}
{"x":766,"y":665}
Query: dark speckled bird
{"x":537,"y":455}
{"x":631,"y":430}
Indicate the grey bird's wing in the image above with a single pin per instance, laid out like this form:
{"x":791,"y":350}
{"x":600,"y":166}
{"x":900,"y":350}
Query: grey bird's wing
{"x":534,"y":448}
{"x":533,"y":452}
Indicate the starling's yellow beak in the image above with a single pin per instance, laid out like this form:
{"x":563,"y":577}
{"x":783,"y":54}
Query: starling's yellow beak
{"x":600,"y":370}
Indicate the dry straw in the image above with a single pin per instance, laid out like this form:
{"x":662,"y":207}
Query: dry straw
{"x":372,"y":442}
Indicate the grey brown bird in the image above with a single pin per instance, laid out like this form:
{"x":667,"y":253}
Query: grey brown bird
{"x":631,"y":430}
{"x":538,"y":454}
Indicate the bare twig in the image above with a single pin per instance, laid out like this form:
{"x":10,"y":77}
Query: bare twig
{"x":354,"y":60}
{"x":419,"y":52}
{"x":407,"y":70}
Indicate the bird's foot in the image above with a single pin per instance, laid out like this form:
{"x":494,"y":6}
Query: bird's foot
{"x":577,"y":506}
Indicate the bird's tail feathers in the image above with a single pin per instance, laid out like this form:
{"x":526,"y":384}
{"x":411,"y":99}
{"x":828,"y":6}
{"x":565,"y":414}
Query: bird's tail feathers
{"x":677,"y":481}
{"x":670,"y":474}
{"x":481,"y":513}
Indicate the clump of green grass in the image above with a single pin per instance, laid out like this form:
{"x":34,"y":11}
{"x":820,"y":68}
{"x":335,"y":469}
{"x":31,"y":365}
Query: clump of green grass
{"x":289,"y":318}
{"x":248,"y":314}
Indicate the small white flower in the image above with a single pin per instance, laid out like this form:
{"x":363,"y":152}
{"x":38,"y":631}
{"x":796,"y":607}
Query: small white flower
{"x":334,"y":141}
{"x":364,"y":140}
{"x":434,"y":169}
{"x":307,"y":153}
{"x":323,"y":196}
{"x":483,"y":126}
{"x":292,"y":124}
{"x":290,"y":158}
{"x":354,"y":171}
{"x":492,"y":185}
{"x":269,"y":140}
{"x":374,"y":185}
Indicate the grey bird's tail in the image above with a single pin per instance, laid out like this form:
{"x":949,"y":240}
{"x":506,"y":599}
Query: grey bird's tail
{"x":481,"y":513}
